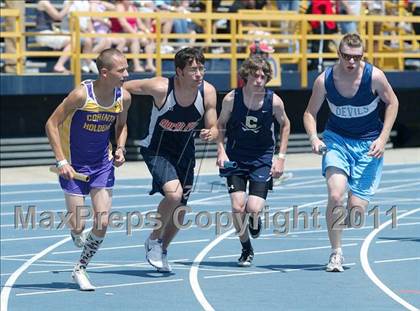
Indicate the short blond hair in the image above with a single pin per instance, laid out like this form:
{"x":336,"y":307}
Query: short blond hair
{"x":352,"y":40}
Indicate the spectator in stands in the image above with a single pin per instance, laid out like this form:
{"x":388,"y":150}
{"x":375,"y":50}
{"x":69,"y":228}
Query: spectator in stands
{"x":354,"y":136}
{"x":166,"y":26}
{"x":349,"y":7}
{"x":85,"y":23}
{"x":10,"y":43}
{"x":288,"y":5}
{"x":376,"y":7}
{"x":134,"y":25}
{"x":46,"y":15}
{"x":182,"y":25}
{"x":247,"y":5}
{"x":103,"y":26}
{"x":415,"y":8}
{"x":246,"y":119}
{"x":327,"y":27}
{"x":288,"y":26}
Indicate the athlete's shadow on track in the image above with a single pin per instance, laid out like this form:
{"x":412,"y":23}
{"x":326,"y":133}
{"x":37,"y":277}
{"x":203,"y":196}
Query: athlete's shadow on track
{"x":47,"y":286}
{"x":289,"y":268}
{"x":282,"y":268}
{"x":407,"y":239}
{"x":138,"y":272}
{"x":230,"y":264}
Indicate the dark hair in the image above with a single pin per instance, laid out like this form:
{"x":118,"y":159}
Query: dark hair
{"x":187,"y":55}
{"x":104,"y":60}
{"x":254,"y":63}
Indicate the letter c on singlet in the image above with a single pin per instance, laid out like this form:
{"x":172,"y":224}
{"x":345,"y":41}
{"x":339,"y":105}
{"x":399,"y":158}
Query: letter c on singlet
{"x":251,"y":122}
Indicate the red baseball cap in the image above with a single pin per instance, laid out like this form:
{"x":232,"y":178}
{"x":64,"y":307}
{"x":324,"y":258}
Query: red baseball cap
{"x":263,"y":47}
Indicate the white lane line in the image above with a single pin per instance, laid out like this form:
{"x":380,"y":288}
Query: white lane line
{"x":409,"y":170}
{"x":59,"y":190}
{"x":193,"y":276}
{"x":269,"y":272}
{"x":5,"y":292}
{"x":316,"y":170}
{"x":407,"y":185}
{"x":292,"y":185}
{"x":197,"y":201}
{"x":120,"y":196}
{"x":308,"y":184}
{"x":366,"y":266}
{"x":115,"y":207}
{"x":397,"y":260}
{"x":99,"y":287}
{"x":104,"y":266}
{"x":174,"y":265}
{"x":103,"y":248}
{"x":284,"y":251}
{"x":132,"y":246}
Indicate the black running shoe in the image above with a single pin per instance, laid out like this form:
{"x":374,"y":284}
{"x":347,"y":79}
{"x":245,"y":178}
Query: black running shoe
{"x":246,"y":258}
{"x":255,"y":233}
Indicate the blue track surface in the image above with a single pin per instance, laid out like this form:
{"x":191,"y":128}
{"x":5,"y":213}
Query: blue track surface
{"x":288,"y":270}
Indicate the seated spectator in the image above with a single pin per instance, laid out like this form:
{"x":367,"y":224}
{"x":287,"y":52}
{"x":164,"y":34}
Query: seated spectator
{"x":288,"y":5}
{"x":415,"y":9}
{"x":182,"y":25}
{"x":134,"y":25}
{"x":88,"y":65}
{"x":287,"y":27}
{"x":328,"y":27}
{"x":103,"y":26}
{"x":376,"y":7}
{"x":347,"y":7}
{"x":166,"y":24}
{"x":249,"y":5}
{"x":46,"y":15}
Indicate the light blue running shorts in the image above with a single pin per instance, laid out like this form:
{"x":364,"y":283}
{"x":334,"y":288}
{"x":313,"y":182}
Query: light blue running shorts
{"x":351,"y":155}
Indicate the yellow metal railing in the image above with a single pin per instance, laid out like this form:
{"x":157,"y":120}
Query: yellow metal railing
{"x":234,"y":40}
{"x":16,"y":35}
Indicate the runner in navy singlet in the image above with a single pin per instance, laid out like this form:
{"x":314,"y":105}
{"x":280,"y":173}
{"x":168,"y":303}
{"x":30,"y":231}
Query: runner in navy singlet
{"x":168,"y":149}
{"x":247,"y":115}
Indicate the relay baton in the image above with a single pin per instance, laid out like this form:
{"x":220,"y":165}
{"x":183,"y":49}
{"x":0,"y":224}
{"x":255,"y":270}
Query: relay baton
{"x":323,"y":150}
{"x":230,"y":164}
{"x":77,"y":176}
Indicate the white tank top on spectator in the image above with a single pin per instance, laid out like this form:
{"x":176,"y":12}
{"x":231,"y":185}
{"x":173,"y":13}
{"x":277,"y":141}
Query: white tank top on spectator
{"x":77,"y":6}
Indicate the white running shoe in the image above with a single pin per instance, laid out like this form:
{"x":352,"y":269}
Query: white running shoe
{"x":166,"y":266}
{"x":282,"y":179}
{"x":79,"y":240}
{"x":154,"y":252}
{"x":81,"y":278}
{"x":335,"y":263}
